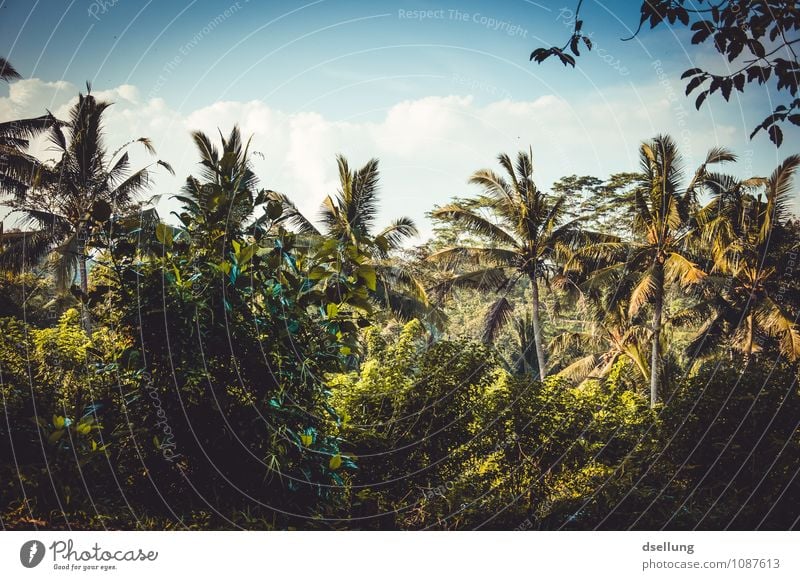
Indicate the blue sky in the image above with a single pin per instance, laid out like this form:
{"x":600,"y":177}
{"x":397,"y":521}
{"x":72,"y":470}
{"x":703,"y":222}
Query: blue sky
{"x":292,"y":52}
{"x":434,"y":97}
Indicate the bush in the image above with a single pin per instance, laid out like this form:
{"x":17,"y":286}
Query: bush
{"x":447,"y":438}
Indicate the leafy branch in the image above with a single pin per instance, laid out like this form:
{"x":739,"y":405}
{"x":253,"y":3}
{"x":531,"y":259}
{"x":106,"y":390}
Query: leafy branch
{"x":762,"y":34}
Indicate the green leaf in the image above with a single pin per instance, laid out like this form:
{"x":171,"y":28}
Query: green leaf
{"x":335,"y":462}
{"x":367,"y":273}
{"x":247,"y":254}
{"x":332,"y":310}
{"x":317,"y":273}
{"x":55,"y":436}
{"x":164,"y":234}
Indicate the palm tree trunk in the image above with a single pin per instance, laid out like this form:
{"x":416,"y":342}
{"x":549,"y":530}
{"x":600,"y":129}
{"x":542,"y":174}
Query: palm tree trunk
{"x":537,"y":329}
{"x":655,"y":360}
{"x":83,"y":272}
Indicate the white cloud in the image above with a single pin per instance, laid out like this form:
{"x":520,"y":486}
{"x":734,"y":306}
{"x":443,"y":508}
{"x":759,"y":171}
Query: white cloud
{"x":419,"y":127}
{"x":32,"y":97}
{"x":428,"y":147}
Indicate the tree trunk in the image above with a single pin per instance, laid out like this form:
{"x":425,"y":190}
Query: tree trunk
{"x":83,"y":272}
{"x":655,"y":360}
{"x":537,"y":329}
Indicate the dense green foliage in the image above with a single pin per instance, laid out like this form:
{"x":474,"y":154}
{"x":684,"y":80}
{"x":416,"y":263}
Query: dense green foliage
{"x":235,"y":366}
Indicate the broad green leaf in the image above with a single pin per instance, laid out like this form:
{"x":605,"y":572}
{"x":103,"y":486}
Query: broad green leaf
{"x":332,"y":310}
{"x":317,"y":273}
{"x":367,"y":273}
{"x":164,"y":234}
{"x":247,"y":254}
{"x":335,"y":462}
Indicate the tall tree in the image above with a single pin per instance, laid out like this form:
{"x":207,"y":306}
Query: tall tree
{"x":749,"y":302}
{"x":16,"y":166}
{"x":69,"y":200}
{"x":349,"y":218}
{"x":222,"y":201}
{"x":607,"y":334}
{"x":527,"y":236}
{"x":660,"y":255}
{"x":606,"y":206}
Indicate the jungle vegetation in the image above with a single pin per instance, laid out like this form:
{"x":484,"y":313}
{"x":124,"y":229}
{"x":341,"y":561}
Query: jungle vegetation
{"x":615,"y":353}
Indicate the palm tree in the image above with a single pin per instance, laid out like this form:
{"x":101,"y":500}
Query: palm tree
{"x":16,"y":167}
{"x":528,"y":237}
{"x":742,"y":306}
{"x":660,"y":254}
{"x":349,"y":218}
{"x":610,"y":336}
{"x":223,"y":200}
{"x":70,"y":200}
{"x":350,"y":215}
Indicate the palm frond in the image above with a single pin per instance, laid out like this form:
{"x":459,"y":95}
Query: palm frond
{"x":579,"y":370}
{"x":643,"y":291}
{"x":493,"y":185}
{"x":8,"y":72}
{"x":776,"y":322}
{"x":779,"y":195}
{"x":126,"y":191}
{"x":707,"y":338}
{"x":400,"y":275}
{"x":361,"y":202}
{"x":475,"y":223}
{"x":404,"y":306}
{"x":505,"y":163}
{"x":486,"y":279}
{"x":453,"y":257}
{"x":497,"y":316}
{"x":678,"y":268}
{"x":21,"y":250}
{"x":719,"y":155}
{"x":25,"y":129}
{"x":66,"y":261}
{"x":393,"y":235}
{"x":291,"y":215}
